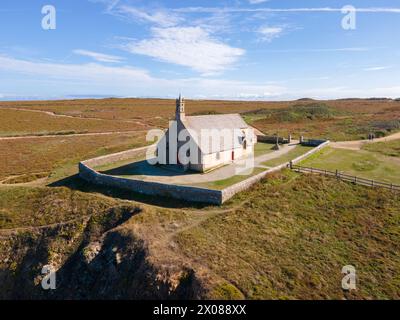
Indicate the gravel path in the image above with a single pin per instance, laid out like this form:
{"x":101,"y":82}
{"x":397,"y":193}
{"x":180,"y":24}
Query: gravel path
{"x":357,"y":145}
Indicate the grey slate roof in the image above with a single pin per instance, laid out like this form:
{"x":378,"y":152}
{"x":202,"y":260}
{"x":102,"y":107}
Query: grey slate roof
{"x":226,"y":122}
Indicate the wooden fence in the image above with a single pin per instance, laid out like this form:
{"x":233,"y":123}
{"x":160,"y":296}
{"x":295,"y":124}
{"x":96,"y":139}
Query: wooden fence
{"x":345,"y":177}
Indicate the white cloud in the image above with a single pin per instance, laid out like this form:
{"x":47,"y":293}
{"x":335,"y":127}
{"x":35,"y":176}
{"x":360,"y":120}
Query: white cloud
{"x":349,"y":49}
{"x":98,"y":56}
{"x":76,"y":79}
{"x":214,"y":23}
{"x":159,"y":17}
{"x":377,"y":68}
{"x":280,"y":10}
{"x":95,"y":79}
{"x":257,"y":1}
{"x":346,"y":92}
{"x":270,"y":33}
{"x":188,"y":46}
{"x":91,"y":71}
{"x":110,"y":4}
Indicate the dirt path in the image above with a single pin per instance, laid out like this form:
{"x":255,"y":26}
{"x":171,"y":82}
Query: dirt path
{"x":53,"y":114}
{"x":70,"y":135}
{"x":8,"y":232}
{"x":357,"y":145}
{"x":50,"y":113}
{"x":34,"y":183}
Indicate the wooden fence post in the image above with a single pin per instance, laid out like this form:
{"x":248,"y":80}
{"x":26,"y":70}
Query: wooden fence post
{"x":345,"y":177}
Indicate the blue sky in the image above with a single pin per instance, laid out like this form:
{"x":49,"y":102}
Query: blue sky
{"x":243,"y":49}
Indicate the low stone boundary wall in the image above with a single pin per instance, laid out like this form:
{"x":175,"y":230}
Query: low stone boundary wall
{"x":309,"y":153}
{"x":181,"y":192}
{"x":229,"y":192}
{"x":120,"y":156}
{"x":187,"y":193}
{"x":151,"y":188}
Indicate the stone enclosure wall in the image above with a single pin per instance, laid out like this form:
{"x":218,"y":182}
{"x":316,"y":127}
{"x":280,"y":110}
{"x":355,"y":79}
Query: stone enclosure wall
{"x":188,"y":193}
{"x":229,"y":192}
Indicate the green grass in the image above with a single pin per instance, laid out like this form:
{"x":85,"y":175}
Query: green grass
{"x":295,"y":113}
{"x":24,"y":206}
{"x":292,"y":236}
{"x":390,"y":148}
{"x":222,"y":184}
{"x":25,"y":178}
{"x":286,"y":238}
{"x":262,"y":148}
{"x":59,"y":156}
{"x":364,"y":164}
{"x":117,"y":164}
{"x":293,"y":154}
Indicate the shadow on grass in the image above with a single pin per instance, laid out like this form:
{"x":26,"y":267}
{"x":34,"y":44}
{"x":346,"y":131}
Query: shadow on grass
{"x":76,"y":183}
{"x":144,"y":168}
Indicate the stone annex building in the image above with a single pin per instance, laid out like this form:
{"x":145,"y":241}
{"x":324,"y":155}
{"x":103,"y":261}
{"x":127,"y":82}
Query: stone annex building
{"x":232,"y":139}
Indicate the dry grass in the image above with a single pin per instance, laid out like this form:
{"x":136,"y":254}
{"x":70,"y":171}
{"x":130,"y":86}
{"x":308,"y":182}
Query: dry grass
{"x":24,"y":156}
{"x":358,"y":119}
{"x":18,"y":123}
{"x":31,"y":207}
{"x":287,"y":237}
{"x":293,"y":235}
{"x":389,"y":148}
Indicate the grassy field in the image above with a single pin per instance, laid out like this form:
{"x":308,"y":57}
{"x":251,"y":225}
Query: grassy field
{"x":294,"y":242}
{"x":364,"y":164}
{"x":293,"y":154}
{"x":59,"y":156}
{"x":32,"y":207}
{"x":390,"y":149}
{"x":286,"y":238}
{"x":222,"y":184}
{"x":333,"y":120}
{"x":263,"y":148}
{"x":290,"y":244}
{"x":20,"y":123}
{"x":349,"y":119}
